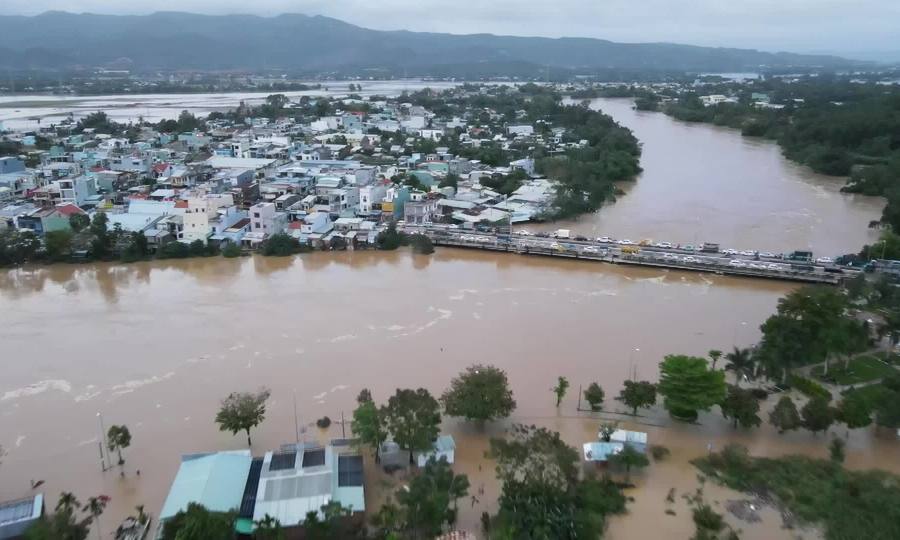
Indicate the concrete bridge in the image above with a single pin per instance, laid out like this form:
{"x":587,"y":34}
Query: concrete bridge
{"x":651,"y":256}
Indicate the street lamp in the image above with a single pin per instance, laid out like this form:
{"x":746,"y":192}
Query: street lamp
{"x":632,"y":368}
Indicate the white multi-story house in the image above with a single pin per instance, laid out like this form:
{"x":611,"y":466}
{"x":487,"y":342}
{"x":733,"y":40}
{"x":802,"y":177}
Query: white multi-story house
{"x":201,"y":211}
{"x":370,"y":198}
{"x":265,"y":219}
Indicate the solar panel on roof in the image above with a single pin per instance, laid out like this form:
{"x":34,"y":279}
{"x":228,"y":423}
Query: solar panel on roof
{"x":314,"y":458}
{"x":350,"y":471}
{"x":283,"y":461}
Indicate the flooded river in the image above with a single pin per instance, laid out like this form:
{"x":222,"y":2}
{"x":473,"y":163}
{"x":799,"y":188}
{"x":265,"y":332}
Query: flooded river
{"x":156,"y":345}
{"x":703,"y":183}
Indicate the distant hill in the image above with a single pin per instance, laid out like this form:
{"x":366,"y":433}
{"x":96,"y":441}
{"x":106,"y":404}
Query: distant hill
{"x":300,"y":43}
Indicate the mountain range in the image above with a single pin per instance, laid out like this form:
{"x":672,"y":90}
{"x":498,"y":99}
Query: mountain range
{"x":315,"y":44}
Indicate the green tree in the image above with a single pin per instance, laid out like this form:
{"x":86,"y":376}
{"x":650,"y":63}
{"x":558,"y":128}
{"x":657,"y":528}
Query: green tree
{"x":79,"y":222}
{"x":689,"y":386}
{"x":638,"y":394}
{"x":117,"y":438}
{"x":101,"y":243}
{"x":817,"y":415}
{"x":58,"y":245}
{"x":196,"y":522}
{"x":334,"y":523}
{"x":741,"y":363}
{"x":785,"y":416}
{"x":368,"y":424}
{"x":63,"y":523}
{"x":741,"y":407}
{"x":854,"y":411}
{"x":280,"y":245}
{"x":95,"y":507}
{"x":594,"y":396}
{"x":479,"y":393}
{"x":413,"y":418}
{"x":430,"y":499}
{"x":421,"y":244}
{"x":836,"y":450}
{"x":714,"y":355}
{"x":887,"y":412}
{"x":268,"y":528}
{"x":231,"y":250}
{"x":562,"y":386}
{"x":390,"y":238}
{"x":629,"y":458}
{"x":138,"y":247}
{"x":542,"y":496}
{"x":241,"y":411}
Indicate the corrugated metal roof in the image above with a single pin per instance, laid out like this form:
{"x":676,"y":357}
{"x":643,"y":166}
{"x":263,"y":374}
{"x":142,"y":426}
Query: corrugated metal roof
{"x":216,"y":481}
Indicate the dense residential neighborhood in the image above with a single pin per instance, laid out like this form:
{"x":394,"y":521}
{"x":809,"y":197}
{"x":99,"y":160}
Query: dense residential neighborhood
{"x":242,"y":177}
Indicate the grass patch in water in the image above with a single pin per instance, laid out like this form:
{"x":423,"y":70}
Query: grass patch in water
{"x":848,"y":504}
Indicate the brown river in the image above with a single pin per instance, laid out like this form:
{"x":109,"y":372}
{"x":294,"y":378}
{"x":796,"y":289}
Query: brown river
{"x":157,"y":345}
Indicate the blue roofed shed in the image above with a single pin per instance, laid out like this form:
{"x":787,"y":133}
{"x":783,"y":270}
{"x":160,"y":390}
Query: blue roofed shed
{"x":215,"y":480}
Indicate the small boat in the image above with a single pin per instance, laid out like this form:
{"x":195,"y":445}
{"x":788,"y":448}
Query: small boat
{"x":133,"y":529}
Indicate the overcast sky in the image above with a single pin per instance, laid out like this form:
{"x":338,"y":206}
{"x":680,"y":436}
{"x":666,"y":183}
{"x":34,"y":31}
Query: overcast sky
{"x":795,"y":25}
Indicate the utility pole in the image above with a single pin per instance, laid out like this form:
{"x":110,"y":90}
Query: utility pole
{"x":104,"y":457}
{"x":296,"y":423}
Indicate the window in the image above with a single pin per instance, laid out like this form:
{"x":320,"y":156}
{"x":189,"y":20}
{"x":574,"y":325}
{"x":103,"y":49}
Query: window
{"x":256,"y":225}
{"x":256,"y":214}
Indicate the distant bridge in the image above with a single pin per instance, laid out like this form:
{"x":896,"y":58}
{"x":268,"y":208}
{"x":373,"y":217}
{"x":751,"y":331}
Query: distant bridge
{"x":651,"y":256}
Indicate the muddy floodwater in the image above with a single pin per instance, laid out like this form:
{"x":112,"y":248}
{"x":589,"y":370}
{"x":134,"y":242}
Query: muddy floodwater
{"x":156,"y":345}
{"x":703,"y":183}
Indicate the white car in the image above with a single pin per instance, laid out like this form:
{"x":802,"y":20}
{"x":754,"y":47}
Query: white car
{"x":605,"y":239}
{"x":730,"y":251}
{"x":666,"y":245}
{"x":524,"y":233}
{"x":688,"y":247}
{"x":736,"y":263}
{"x":768,"y":254}
{"x":590,"y":249}
{"x":690,"y":259}
{"x":670,"y":256}
{"x":773,"y":266}
{"x":825,"y":260}
{"x":626,"y":242}
{"x":555,"y":245}
{"x":485,"y":239}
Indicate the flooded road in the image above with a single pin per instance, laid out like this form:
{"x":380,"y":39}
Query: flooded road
{"x":703,"y":183}
{"x":156,"y":345}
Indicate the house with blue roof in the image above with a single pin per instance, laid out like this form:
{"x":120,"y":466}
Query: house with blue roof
{"x":214,"y":480}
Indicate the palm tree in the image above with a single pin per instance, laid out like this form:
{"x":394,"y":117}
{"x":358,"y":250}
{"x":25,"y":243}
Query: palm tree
{"x":715,"y":354}
{"x":95,"y":507}
{"x":67,"y":502}
{"x":117,"y":438}
{"x":741,"y":362}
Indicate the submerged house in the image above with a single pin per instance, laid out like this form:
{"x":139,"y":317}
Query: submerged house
{"x":17,"y":516}
{"x":302,"y":478}
{"x":215,"y":480}
{"x":444,"y":447}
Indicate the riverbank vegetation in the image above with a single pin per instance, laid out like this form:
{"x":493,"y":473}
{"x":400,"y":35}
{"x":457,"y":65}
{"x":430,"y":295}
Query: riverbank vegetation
{"x":831,"y":124}
{"x":597,"y":151}
{"x":849,"y":504}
